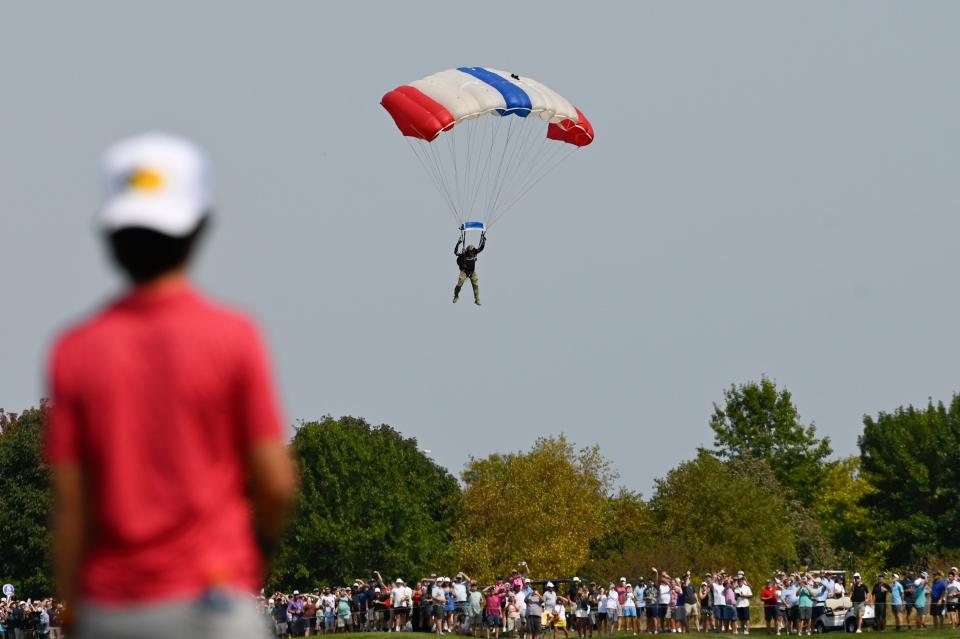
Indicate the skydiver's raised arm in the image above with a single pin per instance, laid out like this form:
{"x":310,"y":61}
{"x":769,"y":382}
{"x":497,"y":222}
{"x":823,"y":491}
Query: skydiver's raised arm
{"x":456,"y":249}
{"x":483,"y":241}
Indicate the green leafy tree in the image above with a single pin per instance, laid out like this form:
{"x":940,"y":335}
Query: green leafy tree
{"x":629,"y":520}
{"x":838,"y":508}
{"x":724,"y":514}
{"x":24,"y":503}
{"x":544,"y":507}
{"x":629,"y":541}
{"x":370,"y":500}
{"x":758,"y":420}
{"x":911,"y":460}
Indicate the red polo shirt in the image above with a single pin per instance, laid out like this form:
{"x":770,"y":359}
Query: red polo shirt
{"x":159,"y":398}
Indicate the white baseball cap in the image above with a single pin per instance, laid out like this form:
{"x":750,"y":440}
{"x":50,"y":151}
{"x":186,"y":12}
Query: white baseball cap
{"x":155,"y":181}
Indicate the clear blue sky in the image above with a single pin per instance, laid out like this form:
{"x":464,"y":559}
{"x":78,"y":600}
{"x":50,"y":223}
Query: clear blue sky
{"x":773,"y":190}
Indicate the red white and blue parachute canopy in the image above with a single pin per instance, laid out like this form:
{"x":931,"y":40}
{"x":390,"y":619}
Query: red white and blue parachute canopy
{"x":428,"y":107}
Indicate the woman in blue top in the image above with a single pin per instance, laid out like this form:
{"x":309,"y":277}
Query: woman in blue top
{"x":805,"y":608}
{"x":896,"y":600}
{"x":450,"y":606}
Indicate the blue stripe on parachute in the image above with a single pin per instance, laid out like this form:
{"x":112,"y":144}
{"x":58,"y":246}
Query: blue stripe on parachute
{"x":517,"y":100}
{"x":466,"y":226}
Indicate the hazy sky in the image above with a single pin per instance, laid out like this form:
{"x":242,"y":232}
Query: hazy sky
{"x":773,"y":190}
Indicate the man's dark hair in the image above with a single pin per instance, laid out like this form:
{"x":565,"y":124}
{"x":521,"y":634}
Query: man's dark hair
{"x":144,"y":254}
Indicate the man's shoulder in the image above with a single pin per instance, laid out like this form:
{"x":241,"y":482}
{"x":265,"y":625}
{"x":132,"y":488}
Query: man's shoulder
{"x":104,"y":322}
{"x":87,"y":330}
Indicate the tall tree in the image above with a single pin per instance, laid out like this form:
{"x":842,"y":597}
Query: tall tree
{"x":758,"y":420}
{"x":845,"y":521}
{"x":631,"y":534}
{"x":544,"y":506}
{"x":370,"y":500}
{"x":731,"y":515}
{"x":24,"y":503}
{"x":911,"y":459}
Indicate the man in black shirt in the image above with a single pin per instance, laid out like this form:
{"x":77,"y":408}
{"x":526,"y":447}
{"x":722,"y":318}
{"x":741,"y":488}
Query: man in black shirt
{"x":467,"y":261}
{"x":909,"y":590}
{"x":858,"y":596}
{"x":15,"y":620}
{"x":593,"y":599}
{"x":880,"y":590}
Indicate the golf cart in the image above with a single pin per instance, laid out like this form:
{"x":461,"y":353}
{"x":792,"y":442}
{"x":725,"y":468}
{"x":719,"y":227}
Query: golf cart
{"x":839,"y":615}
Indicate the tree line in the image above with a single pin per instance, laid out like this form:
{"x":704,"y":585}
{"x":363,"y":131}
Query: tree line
{"x":768,"y":494}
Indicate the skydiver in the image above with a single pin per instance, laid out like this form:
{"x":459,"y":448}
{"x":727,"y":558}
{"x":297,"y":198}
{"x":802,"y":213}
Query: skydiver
{"x":467,"y":261}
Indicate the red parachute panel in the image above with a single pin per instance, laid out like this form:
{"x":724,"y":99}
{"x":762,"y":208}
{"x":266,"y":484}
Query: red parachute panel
{"x":579,"y":133}
{"x":417,"y":114}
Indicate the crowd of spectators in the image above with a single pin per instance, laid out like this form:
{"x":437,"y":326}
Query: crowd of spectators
{"x":30,"y":619}
{"x":521,"y":607}
{"x":658,"y":603}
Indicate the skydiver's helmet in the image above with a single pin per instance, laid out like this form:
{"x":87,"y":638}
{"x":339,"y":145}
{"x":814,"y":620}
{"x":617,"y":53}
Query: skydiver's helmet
{"x":471,"y":248}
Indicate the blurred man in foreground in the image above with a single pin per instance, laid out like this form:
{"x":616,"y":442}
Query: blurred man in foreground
{"x":164,"y":428}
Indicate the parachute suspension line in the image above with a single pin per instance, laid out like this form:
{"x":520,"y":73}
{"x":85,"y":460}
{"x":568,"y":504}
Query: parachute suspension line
{"x":464,"y":172}
{"x":452,"y":146}
{"x":431,"y":151}
{"x":435,"y":153}
{"x":484,"y":152}
{"x":518,"y":155}
{"x":467,"y":187}
{"x":534,"y":163}
{"x":562,"y":155}
{"x":496,"y":179}
{"x":431,"y":171}
{"x":514,"y":146}
{"x":491,"y":129}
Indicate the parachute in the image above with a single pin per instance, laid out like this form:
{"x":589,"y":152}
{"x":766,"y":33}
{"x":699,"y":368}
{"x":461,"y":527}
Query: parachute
{"x":481,"y":160}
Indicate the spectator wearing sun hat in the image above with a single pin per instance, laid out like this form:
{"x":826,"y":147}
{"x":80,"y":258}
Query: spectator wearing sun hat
{"x":920,"y":599}
{"x":858,"y":597}
{"x":744,"y":594}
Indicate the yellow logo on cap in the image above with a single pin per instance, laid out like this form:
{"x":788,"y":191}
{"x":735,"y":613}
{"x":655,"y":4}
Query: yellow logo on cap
{"x":145,"y":180}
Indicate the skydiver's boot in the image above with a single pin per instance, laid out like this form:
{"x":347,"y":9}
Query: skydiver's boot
{"x":456,"y":294}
